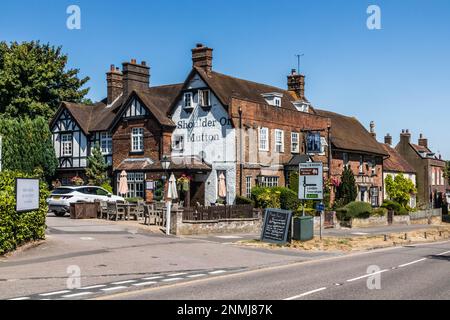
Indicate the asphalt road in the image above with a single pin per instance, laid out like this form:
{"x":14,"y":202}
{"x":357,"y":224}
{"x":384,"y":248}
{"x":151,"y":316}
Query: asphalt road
{"x":413,"y":272}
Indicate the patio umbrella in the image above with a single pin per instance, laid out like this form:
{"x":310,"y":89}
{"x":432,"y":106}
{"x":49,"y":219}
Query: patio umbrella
{"x":123,"y":183}
{"x":222,"y":186}
{"x":172,"y":188}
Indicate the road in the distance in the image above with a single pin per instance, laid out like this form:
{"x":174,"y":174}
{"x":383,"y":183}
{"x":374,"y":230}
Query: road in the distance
{"x":414,"y":272}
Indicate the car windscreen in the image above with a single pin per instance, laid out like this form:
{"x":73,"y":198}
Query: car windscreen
{"x":62,"y":191}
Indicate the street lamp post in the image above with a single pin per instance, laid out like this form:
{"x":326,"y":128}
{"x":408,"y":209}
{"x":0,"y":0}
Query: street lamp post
{"x":165,"y":164}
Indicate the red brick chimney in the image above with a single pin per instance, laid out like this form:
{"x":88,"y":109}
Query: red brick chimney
{"x":135,"y":76}
{"x":296,"y":83}
{"x":388,"y":139}
{"x":405,"y":137}
{"x":423,"y":141}
{"x":114,"y":83}
{"x":202,"y":57}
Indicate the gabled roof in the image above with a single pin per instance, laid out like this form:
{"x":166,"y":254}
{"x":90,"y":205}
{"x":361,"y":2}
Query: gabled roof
{"x":395,"y":162}
{"x":225,"y":87}
{"x":348,"y":134}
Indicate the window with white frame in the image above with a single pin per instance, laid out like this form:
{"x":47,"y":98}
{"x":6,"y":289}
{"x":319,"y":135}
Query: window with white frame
{"x":178,"y":143}
{"x":268,"y":182}
{"x":295,"y":142}
{"x":67,"y":144}
{"x":137,"y":140}
{"x":264,"y":139}
{"x":279,"y":141}
{"x":135,"y":184}
{"x":204,"y":99}
{"x":323,"y":145}
{"x":248,"y":186}
{"x":188,"y":103}
{"x":277,"y":101}
{"x":361,"y":164}
{"x":106,"y":142}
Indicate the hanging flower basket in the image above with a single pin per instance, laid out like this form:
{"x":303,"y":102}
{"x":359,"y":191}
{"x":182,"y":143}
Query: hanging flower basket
{"x":184,"y":183}
{"x":77,"y":181}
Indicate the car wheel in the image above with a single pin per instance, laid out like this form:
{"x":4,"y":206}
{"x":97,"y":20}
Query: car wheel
{"x":60,"y":214}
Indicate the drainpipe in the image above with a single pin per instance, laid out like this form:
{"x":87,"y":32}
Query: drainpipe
{"x":241,"y":150}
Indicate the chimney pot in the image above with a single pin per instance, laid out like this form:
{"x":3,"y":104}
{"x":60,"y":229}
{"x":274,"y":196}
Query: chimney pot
{"x":144,"y":63}
{"x":199,"y":45}
{"x":133,"y":61}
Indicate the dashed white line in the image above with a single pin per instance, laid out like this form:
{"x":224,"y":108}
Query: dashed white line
{"x":20,"y":298}
{"x":77,"y":295}
{"x":305,"y":294}
{"x":54,"y":293}
{"x":410,"y":263}
{"x":172,"y":279}
{"x":367,"y":275}
{"x":152,"y":278}
{"x":93,"y":287}
{"x":113,"y":288}
{"x":196,"y":275}
{"x":144,"y":283}
{"x":177,"y":274}
{"x":123,"y":282}
{"x":217,"y":272}
{"x":443,"y":253}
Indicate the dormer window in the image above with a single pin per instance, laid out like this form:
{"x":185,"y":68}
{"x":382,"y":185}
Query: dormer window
{"x":302,"y":106}
{"x":188,"y":101}
{"x":273,"y":98}
{"x":204,"y":98}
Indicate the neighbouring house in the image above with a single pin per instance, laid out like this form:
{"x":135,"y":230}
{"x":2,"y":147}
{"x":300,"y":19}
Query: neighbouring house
{"x":429,"y":167}
{"x":395,"y":165}
{"x":354,"y":147}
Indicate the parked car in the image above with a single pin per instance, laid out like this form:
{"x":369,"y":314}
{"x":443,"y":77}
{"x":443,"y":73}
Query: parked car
{"x":61,"y":198}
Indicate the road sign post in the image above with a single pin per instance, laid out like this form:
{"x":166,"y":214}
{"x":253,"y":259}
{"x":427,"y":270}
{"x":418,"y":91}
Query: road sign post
{"x":311,"y":181}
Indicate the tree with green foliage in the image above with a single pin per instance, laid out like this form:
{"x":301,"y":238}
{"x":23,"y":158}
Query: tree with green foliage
{"x":34,"y":79}
{"x":97,"y":168}
{"x":399,"y":189}
{"x":293,"y":181}
{"x":347,"y":190}
{"x":27,"y":146}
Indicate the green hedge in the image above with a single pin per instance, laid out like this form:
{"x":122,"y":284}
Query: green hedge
{"x":18,"y":228}
{"x":355,"y":209}
{"x":243,"y":200}
{"x":398,"y":209}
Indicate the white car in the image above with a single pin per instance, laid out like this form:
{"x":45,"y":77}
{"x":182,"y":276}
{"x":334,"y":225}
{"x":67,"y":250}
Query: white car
{"x":61,"y":198}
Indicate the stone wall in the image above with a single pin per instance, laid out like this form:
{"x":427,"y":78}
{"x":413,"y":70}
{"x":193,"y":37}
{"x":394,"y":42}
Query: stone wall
{"x":431,"y":216}
{"x":222,"y":226}
{"x":369,"y":222}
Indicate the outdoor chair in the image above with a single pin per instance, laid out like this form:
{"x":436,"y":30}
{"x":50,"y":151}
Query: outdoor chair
{"x":103,"y":210}
{"x":115,"y":211}
{"x":150,"y":215}
{"x":137,"y":211}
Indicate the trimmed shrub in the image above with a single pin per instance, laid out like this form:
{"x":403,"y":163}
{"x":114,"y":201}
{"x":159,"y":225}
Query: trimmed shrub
{"x":379,"y":212}
{"x":398,"y":209}
{"x":355,"y":209}
{"x":289,"y":200}
{"x":243,"y":200}
{"x":18,"y":228}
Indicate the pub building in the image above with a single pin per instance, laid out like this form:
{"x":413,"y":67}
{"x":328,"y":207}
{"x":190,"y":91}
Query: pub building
{"x":222,"y":135}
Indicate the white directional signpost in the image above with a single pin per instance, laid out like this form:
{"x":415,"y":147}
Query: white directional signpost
{"x":310,"y":182}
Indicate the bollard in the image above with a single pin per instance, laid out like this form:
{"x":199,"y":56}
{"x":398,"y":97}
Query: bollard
{"x":385,"y":237}
{"x":406,"y":236}
{"x":425,"y":235}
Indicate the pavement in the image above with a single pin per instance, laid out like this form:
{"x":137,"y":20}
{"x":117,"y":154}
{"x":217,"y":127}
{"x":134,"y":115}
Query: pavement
{"x":86,"y":259}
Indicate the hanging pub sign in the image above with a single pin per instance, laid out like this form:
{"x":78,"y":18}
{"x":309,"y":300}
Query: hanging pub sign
{"x":27,"y":194}
{"x":313,"y":143}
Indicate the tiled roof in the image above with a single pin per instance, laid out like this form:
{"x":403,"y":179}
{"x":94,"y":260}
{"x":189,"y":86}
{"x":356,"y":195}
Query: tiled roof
{"x":347,"y":133}
{"x":395,"y":162}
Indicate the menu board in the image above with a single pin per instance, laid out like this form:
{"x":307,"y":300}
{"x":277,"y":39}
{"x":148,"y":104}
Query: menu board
{"x":276,"y":226}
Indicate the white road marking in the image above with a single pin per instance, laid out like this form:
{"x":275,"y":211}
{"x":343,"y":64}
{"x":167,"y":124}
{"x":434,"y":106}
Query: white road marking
{"x":410,"y":263}
{"x":217,"y":272}
{"x":228,"y":237}
{"x":152,"y":278}
{"x":305,"y":294}
{"x":77,"y":294}
{"x":87,"y":238}
{"x":93,"y":287}
{"x":123,"y":282}
{"x":367,"y":275}
{"x":54,"y":293}
{"x":172,"y":279}
{"x":20,"y":298}
{"x":177,"y":274}
{"x":196,"y":275}
{"x":144,"y":283}
{"x":443,"y":253}
{"x":114,"y":288}
{"x":360,"y":233}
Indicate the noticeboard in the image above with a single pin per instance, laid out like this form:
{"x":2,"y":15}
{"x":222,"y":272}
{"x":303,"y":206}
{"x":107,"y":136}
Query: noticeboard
{"x":276,"y":226}
{"x":27,"y":194}
{"x":311,"y":181}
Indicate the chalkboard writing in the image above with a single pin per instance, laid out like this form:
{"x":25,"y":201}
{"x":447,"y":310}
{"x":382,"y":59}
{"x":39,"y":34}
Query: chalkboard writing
{"x":276,"y":226}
